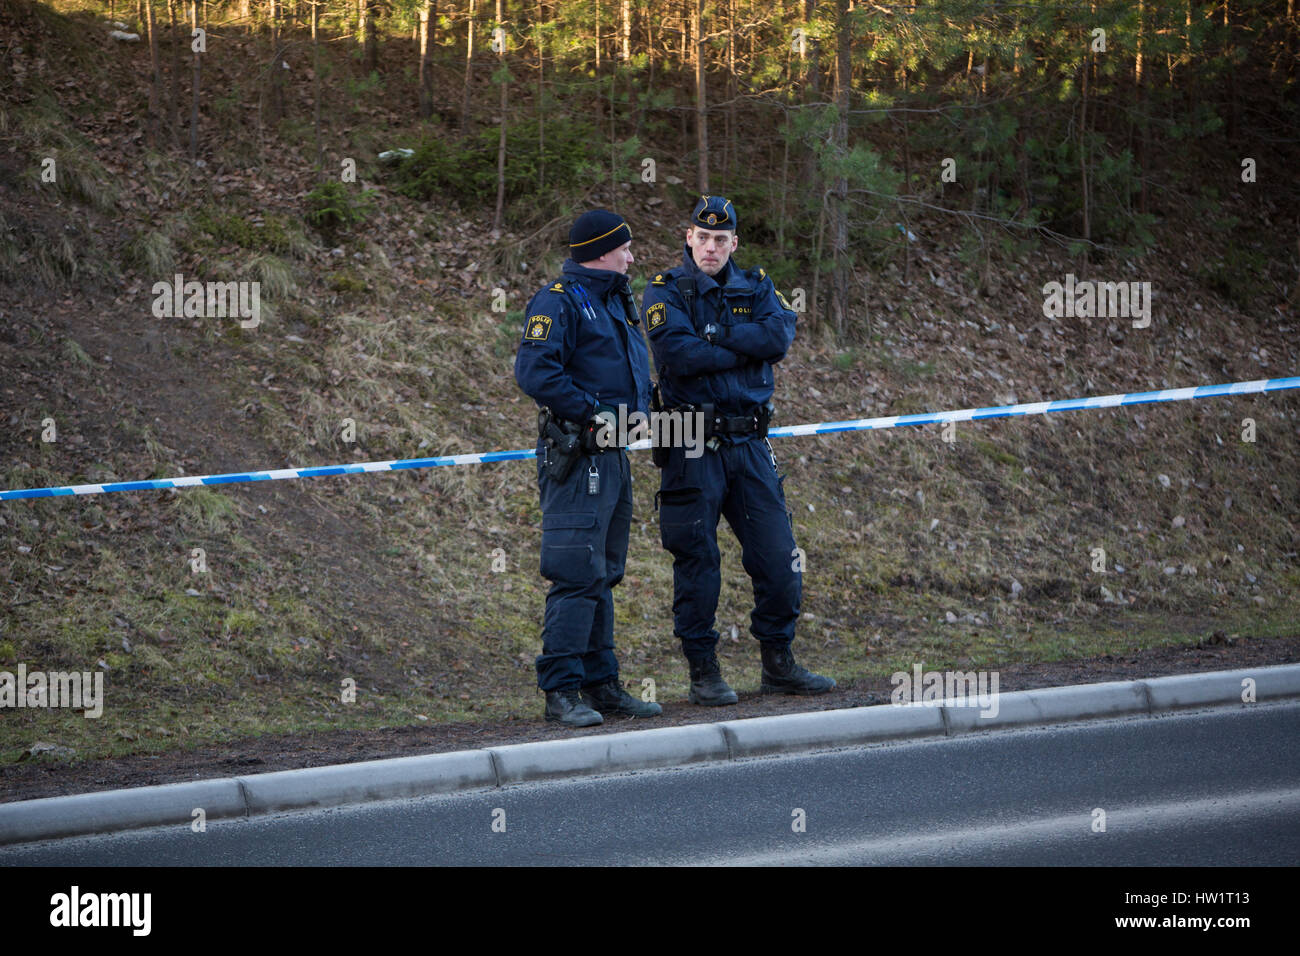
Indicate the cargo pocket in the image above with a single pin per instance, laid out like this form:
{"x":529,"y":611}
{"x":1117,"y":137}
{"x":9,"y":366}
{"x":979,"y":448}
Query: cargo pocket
{"x":679,"y":519}
{"x":568,"y":552}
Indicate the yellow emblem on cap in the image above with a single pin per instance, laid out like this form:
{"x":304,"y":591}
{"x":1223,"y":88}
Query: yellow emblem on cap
{"x":656,"y":315}
{"x":538,"y":328}
{"x":713,"y":219}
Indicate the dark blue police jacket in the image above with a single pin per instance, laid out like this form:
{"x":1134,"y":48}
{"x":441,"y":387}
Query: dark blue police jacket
{"x":757,"y":329}
{"x":582,"y":346}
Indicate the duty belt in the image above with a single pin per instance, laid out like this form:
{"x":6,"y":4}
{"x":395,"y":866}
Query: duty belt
{"x":716,"y":425}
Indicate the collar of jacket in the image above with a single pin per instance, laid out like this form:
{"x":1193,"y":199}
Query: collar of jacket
{"x":601,"y":282}
{"x":732,"y":278}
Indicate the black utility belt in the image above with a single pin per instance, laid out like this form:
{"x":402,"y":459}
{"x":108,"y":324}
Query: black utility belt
{"x":716,"y":425}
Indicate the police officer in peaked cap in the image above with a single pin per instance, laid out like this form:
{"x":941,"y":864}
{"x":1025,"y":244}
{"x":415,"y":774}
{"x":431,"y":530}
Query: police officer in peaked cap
{"x":716,"y":330}
{"x":582,"y":356}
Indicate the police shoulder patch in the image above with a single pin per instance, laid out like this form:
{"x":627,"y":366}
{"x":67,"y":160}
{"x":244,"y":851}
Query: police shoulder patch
{"x":656,"y":316}
{"x":658,"y":280}
{"x":761,"y":273}
{"x":780,"y":298}
{"x":558,"y":287}
{"x":537,"y":328}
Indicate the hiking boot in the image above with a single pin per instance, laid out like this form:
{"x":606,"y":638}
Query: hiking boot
{"x":781,"y":675}
{"x":708,"y":689}
{"x":565,"y":705}
{"x":611,"y":698}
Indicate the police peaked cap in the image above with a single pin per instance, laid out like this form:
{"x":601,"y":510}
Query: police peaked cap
{"x":596,"y":233}
{"x":714,"y":212}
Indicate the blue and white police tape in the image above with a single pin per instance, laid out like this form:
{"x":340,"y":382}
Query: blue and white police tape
{"x":819,"y":428}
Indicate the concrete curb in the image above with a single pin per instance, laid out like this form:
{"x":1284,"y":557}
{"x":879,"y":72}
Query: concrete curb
{"x":827,"y":729}
{"x":313,"y":787}
{"x":609,"y":753}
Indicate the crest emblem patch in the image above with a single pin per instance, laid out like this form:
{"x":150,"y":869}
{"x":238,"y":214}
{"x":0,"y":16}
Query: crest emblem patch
{"x":538,"y":328}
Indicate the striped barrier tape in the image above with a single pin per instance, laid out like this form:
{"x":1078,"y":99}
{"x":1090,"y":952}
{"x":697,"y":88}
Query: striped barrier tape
{"x":819,"y":428}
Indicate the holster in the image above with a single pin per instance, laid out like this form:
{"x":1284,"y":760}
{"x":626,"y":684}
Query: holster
{"x":658,"y":454}
{"x":561,"y":448}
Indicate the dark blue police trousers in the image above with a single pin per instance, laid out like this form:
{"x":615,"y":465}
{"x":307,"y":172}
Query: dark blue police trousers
{"x":740,"y":482}
{"x":584,"y":552}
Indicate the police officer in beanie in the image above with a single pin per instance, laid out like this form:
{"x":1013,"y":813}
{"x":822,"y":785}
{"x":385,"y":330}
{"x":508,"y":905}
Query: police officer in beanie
{"x":716,"y":330}
{"x":583,"y":356}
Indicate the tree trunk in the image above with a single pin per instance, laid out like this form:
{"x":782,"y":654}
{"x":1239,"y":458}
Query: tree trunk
{"x":686,"y":31}
{"x":371,"y":46}
{"x":1139,"y":95}
{"x":626,"y":29}
{"x":469,"y":64}
{"x":277,"y":68}
{"x":840,"y":235}
{"x":650,"y":47}
{"x":427,"y":12}
{"x":315,"y":82}
{"x":155,"y":86}
{"x":907,"y":179}
{"x":785,"y":185}
{"x":1083,"y":156}
{"x":174,"y":107}
{"x":701,"y":94}
{"x":732,"y":146}
{"x":499,"y":215}
{"x":198,"y":71}
{"x":810,"y":51}
{"x":813,"y":78}
{"x":541,"y":97}
{"x":364,"y":27}
{"x":1234,"y":101}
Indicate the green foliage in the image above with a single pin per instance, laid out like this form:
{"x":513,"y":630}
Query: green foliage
{"x":509,"y":328}
{"x":346,"y":280}
{"x":333,"y":208}
{"x":467,"y":174}
{"x":232,"y":228}
{"x":368,"y":84}
{"x":1238,"y":276}
{"x":151,"y":252}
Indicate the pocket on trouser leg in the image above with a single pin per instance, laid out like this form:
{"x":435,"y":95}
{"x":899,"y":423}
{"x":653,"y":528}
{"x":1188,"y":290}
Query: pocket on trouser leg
{"x":679,"y":519}
{"x":569,"y":554}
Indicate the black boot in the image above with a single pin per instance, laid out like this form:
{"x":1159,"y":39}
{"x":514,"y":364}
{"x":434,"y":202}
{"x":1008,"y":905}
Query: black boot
{"x":611,"y":698}
{"x":781,"y":675}
{"x":707,"y":686}
{"x":566,"y":706}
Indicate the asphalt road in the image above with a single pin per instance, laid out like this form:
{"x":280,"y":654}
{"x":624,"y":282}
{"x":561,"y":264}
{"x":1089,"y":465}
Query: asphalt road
{"x":1218,"y":787}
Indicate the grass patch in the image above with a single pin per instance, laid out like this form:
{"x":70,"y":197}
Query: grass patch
{"x":203,"y":511}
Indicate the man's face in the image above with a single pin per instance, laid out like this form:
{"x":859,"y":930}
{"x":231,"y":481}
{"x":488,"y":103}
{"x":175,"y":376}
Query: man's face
{"x":711,"y":248}
{"x":616,"y":260}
